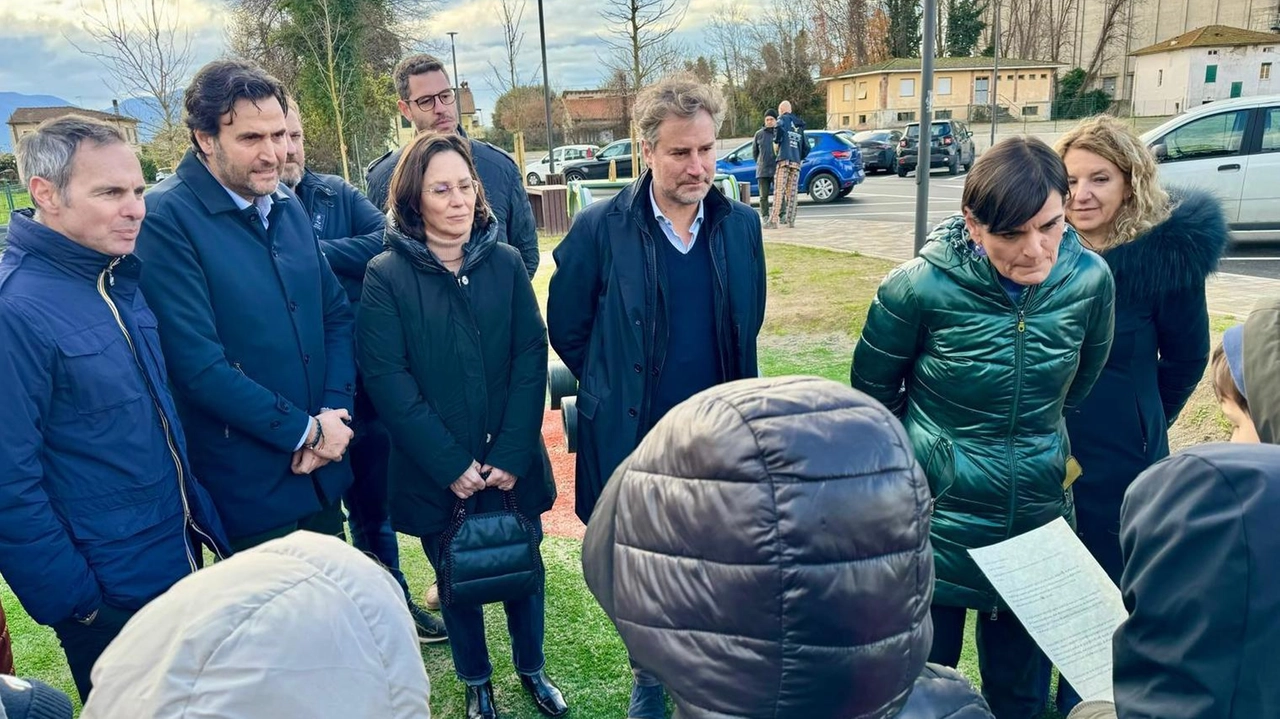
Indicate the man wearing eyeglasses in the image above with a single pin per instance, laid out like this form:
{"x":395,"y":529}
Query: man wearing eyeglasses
{"x":428,"y":100}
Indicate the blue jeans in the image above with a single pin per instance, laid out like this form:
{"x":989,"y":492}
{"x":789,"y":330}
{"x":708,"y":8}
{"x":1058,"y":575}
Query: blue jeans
{"x":366,"y":500}
{"x":526,"y":623}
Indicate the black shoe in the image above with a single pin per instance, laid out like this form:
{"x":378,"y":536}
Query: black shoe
{"x":480,"y":702}
{"x":430,"y":629}
{"x":545,"y":694}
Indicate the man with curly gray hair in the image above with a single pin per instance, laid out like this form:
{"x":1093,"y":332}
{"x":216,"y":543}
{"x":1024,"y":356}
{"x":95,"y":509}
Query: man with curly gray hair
{"x":658,"y":294}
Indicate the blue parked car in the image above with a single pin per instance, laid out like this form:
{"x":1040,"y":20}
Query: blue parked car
{"x":831,"y":170}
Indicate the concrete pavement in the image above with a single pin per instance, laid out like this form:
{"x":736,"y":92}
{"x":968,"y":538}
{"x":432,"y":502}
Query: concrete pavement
{"x":1228,"y":294}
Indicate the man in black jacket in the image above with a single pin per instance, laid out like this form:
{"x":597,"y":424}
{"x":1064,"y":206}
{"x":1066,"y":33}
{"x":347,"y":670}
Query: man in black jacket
{"x":762,"y":149}
{"x":429,"y":101}
{"x":350,"y":231}
{"x":658,"y":294}
{"x":255,"y":328}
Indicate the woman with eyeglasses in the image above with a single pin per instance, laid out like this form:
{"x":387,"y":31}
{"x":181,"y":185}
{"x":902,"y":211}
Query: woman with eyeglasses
{"x":454,"y":355}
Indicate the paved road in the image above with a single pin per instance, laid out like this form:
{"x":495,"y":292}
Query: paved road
{"x":889,"y":198}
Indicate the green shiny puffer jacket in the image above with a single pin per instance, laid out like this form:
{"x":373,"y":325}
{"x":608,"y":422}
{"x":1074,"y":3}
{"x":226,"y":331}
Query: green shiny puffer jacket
{"x":982,"y":385}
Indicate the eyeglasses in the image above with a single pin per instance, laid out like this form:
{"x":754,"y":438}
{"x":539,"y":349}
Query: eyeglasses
{"x":440,"y":192}
{"x":427,"y":103}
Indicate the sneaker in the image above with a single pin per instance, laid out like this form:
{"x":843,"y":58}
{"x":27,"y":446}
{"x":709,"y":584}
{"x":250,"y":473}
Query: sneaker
{"x":430,"y":628}
{"x":433,"y":597}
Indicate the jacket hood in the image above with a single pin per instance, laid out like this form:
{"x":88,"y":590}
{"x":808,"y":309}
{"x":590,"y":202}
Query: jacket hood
{"x":31,"y":237}
{"x":1198,"y":535}
{"x":787,"y":573}
{"x":1262,"y":368}
{"x":303,"y":626}
{"x":1175,"y":255}
{"x":473,"y":253}
{"x":950,"y":249}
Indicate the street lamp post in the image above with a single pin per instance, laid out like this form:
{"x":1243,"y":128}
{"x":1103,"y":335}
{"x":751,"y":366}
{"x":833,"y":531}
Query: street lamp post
{"x":995,"y":71}
{"x":453,"y":50}
{"x":925,"y":146}
{"x":546,"y":91}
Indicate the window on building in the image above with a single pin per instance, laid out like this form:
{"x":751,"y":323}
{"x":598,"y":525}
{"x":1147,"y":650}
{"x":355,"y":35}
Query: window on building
{"x":1268,"y":49}
{"x":1044,"y":76}
{"x":1008,"y":77}
{"x":944,"y":86}
{"x":848,"y":91}
{"x":862,"y":119}
{"x":1265,"y":72}
{"x":1237,"y":88}
{"x":907,"y":87}
{"x":1159,"y":78}
{"x":1211,"y":73}
{"x":1031,"y":110}
{"x":906,"y":117}
{"x":1022,"y":77}
{"x":862,"y":91}
{"x":1109,"y":85}
{"x":942,"y":115}
{"x":1213,"y":52}
{"x":844,"y":121}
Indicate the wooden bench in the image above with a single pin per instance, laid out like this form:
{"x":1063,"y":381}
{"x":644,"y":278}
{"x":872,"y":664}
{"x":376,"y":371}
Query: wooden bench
{"x":550,"y":207}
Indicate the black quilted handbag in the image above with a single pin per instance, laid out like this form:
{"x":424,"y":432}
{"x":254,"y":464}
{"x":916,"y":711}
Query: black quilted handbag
{"x":488,"y":557}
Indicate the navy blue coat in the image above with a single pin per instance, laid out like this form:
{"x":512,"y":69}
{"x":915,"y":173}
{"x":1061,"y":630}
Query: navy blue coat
{"x":1158,"y":356}
{"x":606,"y":318}
{"x":91,"y":490}
{"x":348,"y":225}
{"x":257,"y":333}
{"x":503,"y":188}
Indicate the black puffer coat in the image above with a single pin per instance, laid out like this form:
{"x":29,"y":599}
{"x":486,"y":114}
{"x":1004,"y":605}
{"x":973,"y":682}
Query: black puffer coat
{"x":766,"y":552}
{"x":457,"y":369}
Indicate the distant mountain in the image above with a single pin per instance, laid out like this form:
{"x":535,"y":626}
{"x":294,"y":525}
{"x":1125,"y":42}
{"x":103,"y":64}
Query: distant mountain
{"x":146,"y":111}
{"x":10,"y":101}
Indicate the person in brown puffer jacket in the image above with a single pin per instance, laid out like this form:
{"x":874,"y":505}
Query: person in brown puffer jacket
{"x":766,"y":551}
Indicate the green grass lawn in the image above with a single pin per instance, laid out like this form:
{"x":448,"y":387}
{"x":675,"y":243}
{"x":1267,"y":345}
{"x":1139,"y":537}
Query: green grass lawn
{"x":12,"y":200}
{"x":817,"y":302}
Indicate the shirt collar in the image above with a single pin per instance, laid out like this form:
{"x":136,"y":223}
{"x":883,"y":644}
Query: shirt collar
{"x":666,"y":221}
{"x":262,"y":203}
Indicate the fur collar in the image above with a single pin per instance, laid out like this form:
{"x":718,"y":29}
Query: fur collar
{"x":1175,"y":255}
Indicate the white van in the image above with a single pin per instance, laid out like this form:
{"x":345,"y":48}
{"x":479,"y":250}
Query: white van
{"x":1230,"y":148}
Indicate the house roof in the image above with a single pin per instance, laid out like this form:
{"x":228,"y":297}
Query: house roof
{"x":466,"y":101}
{"x":37,"y":115}
{"x":912,"y":64}
{"x":597,"y":108}
{"x":1212,"y":36}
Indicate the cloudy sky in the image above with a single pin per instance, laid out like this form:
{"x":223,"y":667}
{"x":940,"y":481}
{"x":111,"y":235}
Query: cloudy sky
{"x":38,"y":41}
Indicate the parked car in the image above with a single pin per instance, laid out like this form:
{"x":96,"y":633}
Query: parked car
{"x":163,"y":174}
{"x":535,"y":173}
{"x":832,"y":169}
{"x":950,"y":146}
{"x":879,"y":149}
{"x":1232,"y":149}
{"x":597,"y":168}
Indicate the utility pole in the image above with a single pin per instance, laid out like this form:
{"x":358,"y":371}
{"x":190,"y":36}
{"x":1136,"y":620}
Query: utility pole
{"x":453,"y":50}
{"x":546,"y":91}
{"x":995,"y":71}
{"x":926,"y":121}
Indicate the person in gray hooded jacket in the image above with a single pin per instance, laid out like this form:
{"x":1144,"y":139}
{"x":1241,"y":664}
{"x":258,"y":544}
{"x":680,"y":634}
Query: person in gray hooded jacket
{"x":810,"y":597}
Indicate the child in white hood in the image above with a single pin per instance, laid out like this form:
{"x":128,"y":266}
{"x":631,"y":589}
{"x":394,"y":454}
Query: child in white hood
{"x":302,"y":626}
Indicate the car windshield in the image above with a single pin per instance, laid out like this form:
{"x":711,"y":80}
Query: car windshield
{"x":846,"y":140}
{"x":938,"y":130}
{"x":871,"y":136}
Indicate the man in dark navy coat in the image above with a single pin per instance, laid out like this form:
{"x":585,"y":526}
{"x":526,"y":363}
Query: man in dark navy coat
{"x":349,"y":229}
{"x":256,"y":328}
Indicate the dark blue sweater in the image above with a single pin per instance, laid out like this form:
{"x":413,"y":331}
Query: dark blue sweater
{"x":692,"y":357}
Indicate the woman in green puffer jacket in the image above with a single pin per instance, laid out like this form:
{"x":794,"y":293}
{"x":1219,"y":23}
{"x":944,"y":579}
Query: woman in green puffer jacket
{"x":981,"y":344}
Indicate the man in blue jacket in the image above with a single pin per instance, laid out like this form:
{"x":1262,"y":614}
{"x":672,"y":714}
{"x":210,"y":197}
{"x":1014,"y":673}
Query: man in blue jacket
{"x":350,"y":231}
{"x":792,"y":149}
{"x":255,"y":327}
{"x":429,"y":102}
{"x":658,"y":294}
{"x":99,"y":510}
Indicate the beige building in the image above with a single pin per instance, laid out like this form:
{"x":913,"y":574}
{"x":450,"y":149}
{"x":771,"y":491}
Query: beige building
{"x":886,"y":94}
{"x":25,"y":120}
{"x":1210,"y":63}
{"x":467,"y":117}
{"x":1141,"y":23}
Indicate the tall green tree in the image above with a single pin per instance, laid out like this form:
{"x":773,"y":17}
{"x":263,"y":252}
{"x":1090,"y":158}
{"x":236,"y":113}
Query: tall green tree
{"x":964,"y":26}
{"x":785,"y":74}
{"x":904,"y":27}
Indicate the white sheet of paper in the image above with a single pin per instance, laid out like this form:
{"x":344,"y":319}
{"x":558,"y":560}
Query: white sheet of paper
{"x":1063,"y":597}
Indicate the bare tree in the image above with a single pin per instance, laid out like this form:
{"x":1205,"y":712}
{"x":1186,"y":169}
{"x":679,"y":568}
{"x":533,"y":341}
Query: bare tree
{"x":639,"y":38}
{"x":1109,"y":33}
{"x":507,"y":77}
{"x":327,"y":38}
{"x":730,"y":35}
{"x":147,"y":53}
{"x":254,"y":33}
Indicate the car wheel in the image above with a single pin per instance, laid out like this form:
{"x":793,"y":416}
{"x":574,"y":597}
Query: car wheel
{"x":569,"y":418}
{"x":902,"y":171}
{"x":560,"y":383}
{"x":954,"y":167}
{"x":533,"y":179}
{"x":845,"y":192}
{"x":824,"y":187}
{"x":573,"y":176}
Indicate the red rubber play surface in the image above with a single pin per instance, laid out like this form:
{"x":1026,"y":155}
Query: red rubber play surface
{"x":560,"y":521}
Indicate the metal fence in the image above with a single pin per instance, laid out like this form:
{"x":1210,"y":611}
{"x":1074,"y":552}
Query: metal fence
{"x":13,"y":196}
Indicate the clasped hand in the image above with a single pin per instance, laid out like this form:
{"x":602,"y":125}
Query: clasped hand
{"x":479,"y":477}
{"x":336,"y":436}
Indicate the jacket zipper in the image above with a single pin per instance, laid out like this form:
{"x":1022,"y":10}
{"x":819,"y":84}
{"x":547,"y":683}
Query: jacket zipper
{"x":105,"y":279}
{"x":461,"y":281}
{"x":721,"y":298}
{"x":1018,"y":344}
